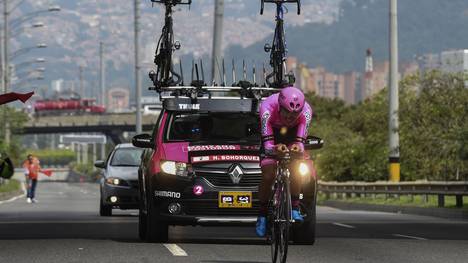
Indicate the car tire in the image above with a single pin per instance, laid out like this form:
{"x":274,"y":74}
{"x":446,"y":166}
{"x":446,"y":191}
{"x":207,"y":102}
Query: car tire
{"x":142,"y":218}
{"x":104,"y":210}
{"x":304,"y":233}
{"x":157,"y":231}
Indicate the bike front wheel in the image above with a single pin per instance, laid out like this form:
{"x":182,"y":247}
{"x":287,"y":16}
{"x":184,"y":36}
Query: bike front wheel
{"x":280,"y":225}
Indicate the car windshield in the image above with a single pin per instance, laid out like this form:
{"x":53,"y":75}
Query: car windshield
{"x":126,"y":157}
{"x":227,"y":127}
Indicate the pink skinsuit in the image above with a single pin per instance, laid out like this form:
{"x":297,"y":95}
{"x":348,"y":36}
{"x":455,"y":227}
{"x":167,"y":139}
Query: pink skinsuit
{"x":270,"y":119}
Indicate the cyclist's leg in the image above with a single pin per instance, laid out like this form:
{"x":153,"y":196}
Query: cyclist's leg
{"x":264,"y":190}
{"x":295,"y":187}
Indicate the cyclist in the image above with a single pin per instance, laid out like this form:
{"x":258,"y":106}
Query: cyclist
{"x":284,"y":118}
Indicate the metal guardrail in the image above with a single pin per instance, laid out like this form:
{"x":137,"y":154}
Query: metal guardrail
{"x":425,"y":188}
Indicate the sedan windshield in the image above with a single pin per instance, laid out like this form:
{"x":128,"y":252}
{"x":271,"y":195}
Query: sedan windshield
{"x":126,"y":157}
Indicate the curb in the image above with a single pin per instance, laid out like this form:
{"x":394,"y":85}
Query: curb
{"x":436,"y":212}
{"x":9,"y":195}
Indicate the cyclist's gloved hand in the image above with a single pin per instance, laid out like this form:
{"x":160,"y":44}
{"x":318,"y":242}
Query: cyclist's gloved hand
{"x":281,"y":149}
{"x":295,"y":148}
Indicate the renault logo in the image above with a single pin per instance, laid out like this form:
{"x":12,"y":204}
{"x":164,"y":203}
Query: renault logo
{"x":236,"y":173}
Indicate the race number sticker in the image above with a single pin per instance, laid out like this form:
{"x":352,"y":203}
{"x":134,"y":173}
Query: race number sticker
{"x":198,"y":190}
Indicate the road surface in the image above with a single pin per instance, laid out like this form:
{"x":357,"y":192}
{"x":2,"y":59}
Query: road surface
{"x":65,"y":227}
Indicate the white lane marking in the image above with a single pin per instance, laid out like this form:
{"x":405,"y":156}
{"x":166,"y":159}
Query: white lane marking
{"x":410,"y":237}
{"x":343,"y":225}
{"x":176,"y":250}
{"x":16,"y":197}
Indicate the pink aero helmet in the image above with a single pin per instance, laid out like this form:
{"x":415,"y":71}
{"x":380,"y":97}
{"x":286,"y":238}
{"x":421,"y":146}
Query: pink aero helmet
{"x":291,"y":99}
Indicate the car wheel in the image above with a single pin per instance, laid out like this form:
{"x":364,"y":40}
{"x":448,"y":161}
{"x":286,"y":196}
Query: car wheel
{"x":156,"y":230}
{"x":142,"y":218}
{"x":104,"y":210}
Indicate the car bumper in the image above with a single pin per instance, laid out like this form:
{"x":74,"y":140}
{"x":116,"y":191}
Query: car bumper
{"x":203,"y":209}
{"x":200,"y":209}
{"x":127,"y":197}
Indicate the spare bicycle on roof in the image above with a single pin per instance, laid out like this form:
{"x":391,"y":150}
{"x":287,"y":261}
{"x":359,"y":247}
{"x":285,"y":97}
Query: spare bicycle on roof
{"x":278,"y":78}
{"x":167,"y":79}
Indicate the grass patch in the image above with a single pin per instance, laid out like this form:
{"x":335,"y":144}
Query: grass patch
{"x":402,"y":200}
{"x":10,"y":186}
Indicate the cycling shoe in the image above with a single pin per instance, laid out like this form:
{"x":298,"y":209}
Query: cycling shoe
{"x":296,"y":215}
{"x":260,"y":228}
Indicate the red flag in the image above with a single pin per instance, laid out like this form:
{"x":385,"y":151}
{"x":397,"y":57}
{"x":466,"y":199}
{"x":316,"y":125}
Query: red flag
{"x":12,"y":96}
{"x":47,"y":172}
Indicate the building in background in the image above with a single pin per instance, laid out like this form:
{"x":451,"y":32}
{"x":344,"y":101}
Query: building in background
{"x":118,"y":99}
{"x":352,"y":87}
{"x":428,"y":62}
{"x":454,"y":61}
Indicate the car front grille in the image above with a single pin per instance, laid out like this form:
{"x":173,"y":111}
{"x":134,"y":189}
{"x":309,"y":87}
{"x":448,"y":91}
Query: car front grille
{"x":219,"y":174}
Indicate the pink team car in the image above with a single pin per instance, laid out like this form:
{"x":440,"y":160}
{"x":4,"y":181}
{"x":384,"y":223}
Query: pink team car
{"x":201,"y":166}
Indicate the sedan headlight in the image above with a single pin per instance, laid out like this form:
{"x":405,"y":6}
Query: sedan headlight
{"x":116,"y":181}
{"x":175,"y":168}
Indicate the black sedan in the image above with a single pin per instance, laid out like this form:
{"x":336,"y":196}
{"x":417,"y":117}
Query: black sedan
{"x":119,"y":183}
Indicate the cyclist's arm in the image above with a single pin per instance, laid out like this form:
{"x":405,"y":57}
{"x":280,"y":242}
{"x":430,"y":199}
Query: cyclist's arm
{"x":268,"y":139}
{"x":303,"y":127}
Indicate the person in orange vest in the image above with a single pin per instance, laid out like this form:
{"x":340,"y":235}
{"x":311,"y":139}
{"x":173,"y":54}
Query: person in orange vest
{"x":32,"y":168}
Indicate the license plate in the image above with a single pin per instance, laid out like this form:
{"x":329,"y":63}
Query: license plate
{"x":235,"y":199}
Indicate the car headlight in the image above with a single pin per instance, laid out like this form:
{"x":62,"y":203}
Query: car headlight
{"x":175,"y":168}
{"x":116,"y":181}
{"x":304,"y":169}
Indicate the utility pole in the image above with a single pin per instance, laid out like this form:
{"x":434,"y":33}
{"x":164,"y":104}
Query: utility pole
{"x":138,"y":127}
{"x":81,"y":82}
{"x":217,"y":39}
{"x":394,"y":140}
{"x":102,"y":76}
{"x":6,"y":68}
{"x":368,"y":76}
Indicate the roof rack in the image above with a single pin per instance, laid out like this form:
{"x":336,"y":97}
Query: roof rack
{"x":166,"y":80}
{"x":194,"y":92}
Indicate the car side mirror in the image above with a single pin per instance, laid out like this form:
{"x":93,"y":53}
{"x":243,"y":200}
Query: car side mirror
{"x":143,"y":141}
{"x":100,"y":164}
{"x":313,"y":143}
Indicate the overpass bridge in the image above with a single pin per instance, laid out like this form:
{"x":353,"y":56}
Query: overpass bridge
{"x":112,"y":124}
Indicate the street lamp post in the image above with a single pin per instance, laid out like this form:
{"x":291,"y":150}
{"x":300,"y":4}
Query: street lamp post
{"x":138,"y":127}
{"x":27,"y":63}
{"x":22,"y":51}
{"x":102,"y":74}
{"x":6,"y":55}
{"x":394,"y":140}
{"x":6,"y":68}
